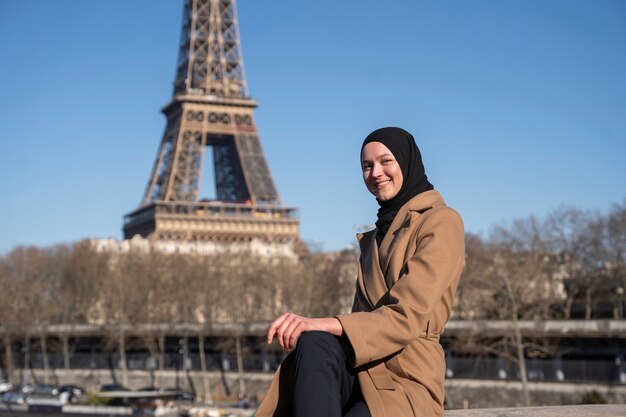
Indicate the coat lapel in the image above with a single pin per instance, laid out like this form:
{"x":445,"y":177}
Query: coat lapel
{"x":371,"y":277}
{"x":374,"y":281}
{"x":407,"y":214}
{"x":396,"y":231}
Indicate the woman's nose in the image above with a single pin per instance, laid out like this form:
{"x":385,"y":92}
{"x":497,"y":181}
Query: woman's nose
{"x":377,"y":170}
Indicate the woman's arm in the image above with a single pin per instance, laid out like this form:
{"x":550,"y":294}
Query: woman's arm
{"x":387,"y":329}
{"x":288,"y":327}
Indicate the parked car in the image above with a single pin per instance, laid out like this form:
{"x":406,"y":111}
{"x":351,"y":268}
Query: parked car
{"x":5,"y":386}
{"x":24,"y":388}
{"x":180,"y":394}
{"x":149,"y":389}
{"x":74,"y":392}
{"x":13,"y":397}
{"x":45,"y":390}
{"x":113,"y":387}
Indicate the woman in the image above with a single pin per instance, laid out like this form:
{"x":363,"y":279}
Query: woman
{"x":383,"y":359}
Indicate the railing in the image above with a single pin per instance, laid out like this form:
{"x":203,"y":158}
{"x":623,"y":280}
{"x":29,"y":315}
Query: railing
{"x":545,"y":370}
{"x":529,"y":328}
{"x":539,"y":370}
{"x":541,"y":328}
{"x":212,"y":209}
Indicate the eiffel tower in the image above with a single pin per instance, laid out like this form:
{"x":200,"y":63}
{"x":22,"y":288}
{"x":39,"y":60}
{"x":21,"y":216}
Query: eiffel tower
{"x":211,"y":107}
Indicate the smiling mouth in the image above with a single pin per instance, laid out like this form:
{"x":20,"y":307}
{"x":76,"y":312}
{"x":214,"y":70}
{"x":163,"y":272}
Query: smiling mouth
{"x":382,"y":184}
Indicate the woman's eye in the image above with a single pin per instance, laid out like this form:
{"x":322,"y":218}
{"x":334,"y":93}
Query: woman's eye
{"x":387,"y":161}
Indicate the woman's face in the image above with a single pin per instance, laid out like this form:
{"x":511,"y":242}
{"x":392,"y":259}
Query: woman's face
{"x":381,"y":172}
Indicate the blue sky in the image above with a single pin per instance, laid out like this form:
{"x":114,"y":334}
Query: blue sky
{"x":519,"y":107}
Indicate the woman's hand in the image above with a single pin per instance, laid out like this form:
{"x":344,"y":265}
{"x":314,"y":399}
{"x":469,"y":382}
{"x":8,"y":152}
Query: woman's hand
{"x":288,"y":327}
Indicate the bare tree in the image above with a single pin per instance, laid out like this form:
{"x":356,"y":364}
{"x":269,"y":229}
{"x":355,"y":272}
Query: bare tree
{"x":513,"y":269}
{"x":123,"y":300}
{"x":474,"y":298}
{"x":32,"y":279}
{"x":575,"y":238}
{"x":9,"y":311}
{"x":615,"y":262}
{"x":84,"y":274}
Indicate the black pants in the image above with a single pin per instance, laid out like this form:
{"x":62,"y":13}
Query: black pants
{"x":324,"y":384}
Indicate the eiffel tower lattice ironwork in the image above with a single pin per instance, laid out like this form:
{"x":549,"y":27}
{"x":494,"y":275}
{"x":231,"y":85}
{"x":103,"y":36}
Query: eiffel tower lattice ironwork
{"x":211,"y":107}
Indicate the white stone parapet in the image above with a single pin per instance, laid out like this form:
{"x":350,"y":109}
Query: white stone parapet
{"x":600,"y":410}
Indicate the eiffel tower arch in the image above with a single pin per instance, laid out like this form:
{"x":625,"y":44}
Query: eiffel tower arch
{"x":211,"y":107}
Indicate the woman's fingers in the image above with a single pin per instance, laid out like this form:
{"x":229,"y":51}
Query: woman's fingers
{"x":295,"y":322}
{"x":295,"y":334}
{"x":277,"y":328}
{"x":287,"y":328}
{"x":274,"y":327}
{"x":283,"y":328}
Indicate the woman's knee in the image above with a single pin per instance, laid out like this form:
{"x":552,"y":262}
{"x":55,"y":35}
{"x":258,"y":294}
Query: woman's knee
{"x":319,"y":344}
{"x":321,"y":365}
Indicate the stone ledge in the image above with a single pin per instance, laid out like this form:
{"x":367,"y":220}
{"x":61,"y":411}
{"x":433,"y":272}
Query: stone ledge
{"x":604,"y":410}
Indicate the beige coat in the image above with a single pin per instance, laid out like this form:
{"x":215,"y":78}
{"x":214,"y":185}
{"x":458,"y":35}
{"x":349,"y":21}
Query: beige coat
{"x":404,"y":298}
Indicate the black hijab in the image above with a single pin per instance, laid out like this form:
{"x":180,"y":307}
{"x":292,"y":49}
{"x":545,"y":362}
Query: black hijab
{"x":414,"y":179}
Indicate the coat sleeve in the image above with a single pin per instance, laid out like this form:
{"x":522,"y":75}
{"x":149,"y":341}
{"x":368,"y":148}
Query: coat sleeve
{"x":436,"y":264}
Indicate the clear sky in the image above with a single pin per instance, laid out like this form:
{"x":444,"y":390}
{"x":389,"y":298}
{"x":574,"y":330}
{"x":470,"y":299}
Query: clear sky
{"x":518,"y":106}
